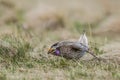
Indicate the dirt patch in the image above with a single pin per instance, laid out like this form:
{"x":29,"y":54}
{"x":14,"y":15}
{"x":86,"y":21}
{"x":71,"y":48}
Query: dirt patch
{"x":112,"y":52}
{"x":111,"y":25}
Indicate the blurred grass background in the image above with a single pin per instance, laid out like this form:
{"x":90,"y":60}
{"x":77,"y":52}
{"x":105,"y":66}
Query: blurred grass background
{"x":29,"y":27}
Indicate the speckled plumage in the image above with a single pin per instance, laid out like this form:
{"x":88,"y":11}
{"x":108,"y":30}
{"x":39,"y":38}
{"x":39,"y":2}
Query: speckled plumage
{"x":70,"y":50}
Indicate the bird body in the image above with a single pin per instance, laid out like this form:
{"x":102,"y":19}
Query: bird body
{"x":70,"y":50}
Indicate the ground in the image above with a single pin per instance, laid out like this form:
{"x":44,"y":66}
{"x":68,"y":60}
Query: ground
{"x":23,"y":48}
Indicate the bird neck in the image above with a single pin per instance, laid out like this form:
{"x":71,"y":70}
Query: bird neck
{"x":57,"y":52}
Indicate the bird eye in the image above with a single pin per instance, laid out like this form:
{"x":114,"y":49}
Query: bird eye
{"x":55,"y":44}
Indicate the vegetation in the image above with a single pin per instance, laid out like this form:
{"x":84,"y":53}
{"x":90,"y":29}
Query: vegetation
{"x":24,"y":56}
{"x":23,"y":51}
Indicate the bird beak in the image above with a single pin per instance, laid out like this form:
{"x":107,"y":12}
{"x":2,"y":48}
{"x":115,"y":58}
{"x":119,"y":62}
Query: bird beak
{"x":51,"y":50}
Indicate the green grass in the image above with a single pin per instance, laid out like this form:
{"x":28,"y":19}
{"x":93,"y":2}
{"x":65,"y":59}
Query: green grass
{"x":13,"y":47}
{"x":23,"y":53}
{"x":21,"y":64}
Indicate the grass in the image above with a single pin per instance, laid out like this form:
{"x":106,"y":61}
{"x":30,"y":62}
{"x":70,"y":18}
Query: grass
{"x":23,"y":54}
{"x":18,"y":63}
{"x":13,"y":48}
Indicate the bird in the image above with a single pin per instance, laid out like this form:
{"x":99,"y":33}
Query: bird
{"x":71,"y":49}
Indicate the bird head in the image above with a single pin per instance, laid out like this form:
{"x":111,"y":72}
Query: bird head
{"x":54,"y":49}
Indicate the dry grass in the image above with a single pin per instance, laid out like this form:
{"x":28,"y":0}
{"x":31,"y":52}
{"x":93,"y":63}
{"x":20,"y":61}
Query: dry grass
{"x":30,"y":60}
{"x":23,"y":52}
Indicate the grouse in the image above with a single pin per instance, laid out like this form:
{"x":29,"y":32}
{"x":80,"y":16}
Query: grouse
{"x":71,"y":49}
